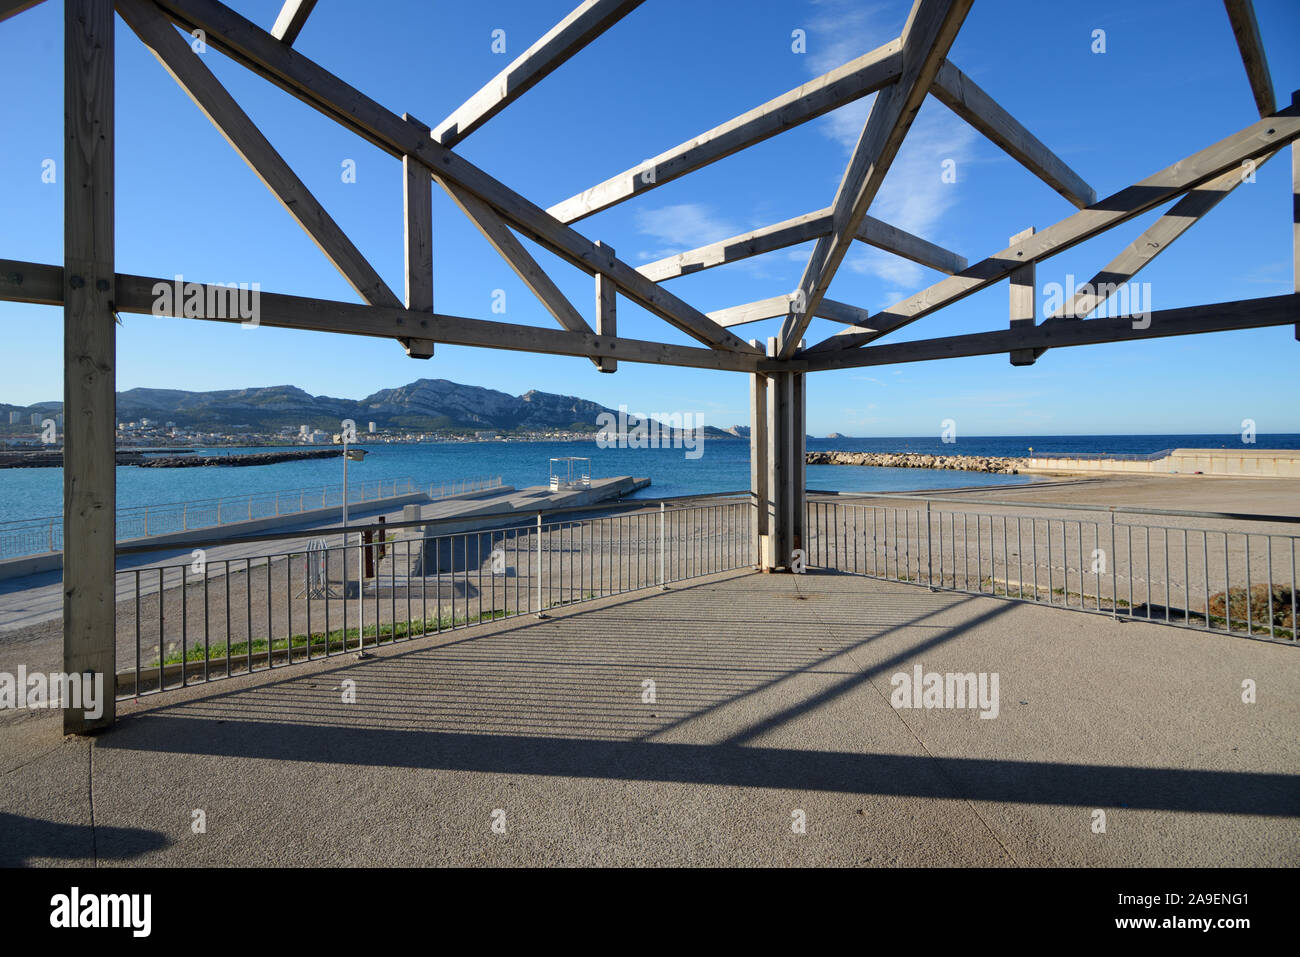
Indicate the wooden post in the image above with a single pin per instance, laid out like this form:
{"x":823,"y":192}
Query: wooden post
{"x":1295,"y":208}
{"x":798,"y":459}
{"x":417,"y":220}
{"x":89,"y":354}
{"x":606,"y":311}
{"x":758,"y":466}
{"x":785,"y":465}
{"x":1023,"y":291}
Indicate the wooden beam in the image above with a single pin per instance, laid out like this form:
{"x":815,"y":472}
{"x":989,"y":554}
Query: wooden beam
{"x":606,"y":313}
{"x":852,"y":81}
{"x":964,"y":97}
{"x":1158,"y":237}
{"x":293,"y":15}
{"x":1265,"y":136}
{"x":780,"y":235}
{"x":780,"y":306}
{"x":801,"y":229}
{"x":758,"y":466}
{"x":417,"y":246}
{"x":248,"y":141}
{"x":1023,"y":292}
{"x":286,"y":67}
{"x":1241,"y":13}
{"x":929,"y":32}
{"x":89,"y":358}
{"x":41,"y":283}
{"x":586,"y":22}
{"x":11,"y":8}
{"x":518,"y":259}
{"x":752,"y":311}
{"x":1191,"y":320}
{"x":891,"y":239}
{"x":843,"y":312}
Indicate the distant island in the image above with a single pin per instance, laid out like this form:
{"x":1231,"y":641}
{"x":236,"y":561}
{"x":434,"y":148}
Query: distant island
{"x":426,"y":410}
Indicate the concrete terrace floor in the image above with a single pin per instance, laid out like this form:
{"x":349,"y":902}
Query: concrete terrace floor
{"x":772,"y":695}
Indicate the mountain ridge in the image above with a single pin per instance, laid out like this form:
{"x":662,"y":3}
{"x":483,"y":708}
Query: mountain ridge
{"x":421,"y":405}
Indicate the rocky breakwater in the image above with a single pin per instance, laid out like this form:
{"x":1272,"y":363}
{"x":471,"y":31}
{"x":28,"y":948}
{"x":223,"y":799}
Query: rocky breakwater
{"x":251,"y":458}
{"x":918,"y":460}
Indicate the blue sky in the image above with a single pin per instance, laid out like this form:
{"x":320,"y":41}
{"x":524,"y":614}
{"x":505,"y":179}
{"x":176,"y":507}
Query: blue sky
{"x":1169,"y":83}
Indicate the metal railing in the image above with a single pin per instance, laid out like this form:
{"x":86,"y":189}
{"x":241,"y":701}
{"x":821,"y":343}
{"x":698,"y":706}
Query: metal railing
{"x":273,"y":605}
{"x":1228,"y":573}
{"x":38,"y":535}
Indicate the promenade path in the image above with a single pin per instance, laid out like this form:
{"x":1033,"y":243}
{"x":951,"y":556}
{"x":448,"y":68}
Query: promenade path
{"x":772,"y":697}
{"x":35,"y":599}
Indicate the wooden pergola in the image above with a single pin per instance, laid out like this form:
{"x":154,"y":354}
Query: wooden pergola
{"x":902,"y":73}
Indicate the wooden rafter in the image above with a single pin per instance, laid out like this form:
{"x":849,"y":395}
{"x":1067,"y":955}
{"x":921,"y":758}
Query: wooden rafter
{"x":902,"y":71}
{"x":586,"y":22}
{"x":11,"y":8}
{"x":852,"y":81}
{"x":496,"y":232}
{"x":319,"y":88}
{"x":927,"y":36}
{"x":1241,"y":13}
{"x":247,"y":139}
{"x":964,"y":97}
{"x":1264,"y":136}
{"x":777,"y":306}
{"x":1154,"y":240}
{"x":293,"y":16}
{"x":792,"y":232}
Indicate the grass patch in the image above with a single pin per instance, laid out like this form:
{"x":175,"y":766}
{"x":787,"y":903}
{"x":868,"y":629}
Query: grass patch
{"x":336,"y":640}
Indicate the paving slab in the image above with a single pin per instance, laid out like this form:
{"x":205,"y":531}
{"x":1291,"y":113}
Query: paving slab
{"x":771,"y":707}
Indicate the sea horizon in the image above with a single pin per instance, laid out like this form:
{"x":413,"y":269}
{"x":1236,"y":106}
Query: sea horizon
{"x":724,"y":466}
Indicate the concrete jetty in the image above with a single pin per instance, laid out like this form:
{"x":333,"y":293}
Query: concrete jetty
{"x":36,"y":596}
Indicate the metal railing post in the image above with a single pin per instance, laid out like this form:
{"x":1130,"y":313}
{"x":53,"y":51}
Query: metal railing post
{"x":929,"y":557}
{"x":662,"y":585}
{"x":539,"y":566}
{"x":185,"y":518}
{"x":1114,"y":570}
{"x":146,"y":519}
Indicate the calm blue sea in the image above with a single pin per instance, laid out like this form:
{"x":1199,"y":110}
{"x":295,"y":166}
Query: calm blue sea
{"x":724,"y":466}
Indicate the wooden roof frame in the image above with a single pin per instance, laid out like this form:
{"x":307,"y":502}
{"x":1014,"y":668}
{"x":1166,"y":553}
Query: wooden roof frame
{"x":901,"y":72}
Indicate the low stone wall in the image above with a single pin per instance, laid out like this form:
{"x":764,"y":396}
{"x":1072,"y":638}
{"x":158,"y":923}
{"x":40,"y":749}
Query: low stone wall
{"x":1237,"y":463}
{"x":917,"y":460}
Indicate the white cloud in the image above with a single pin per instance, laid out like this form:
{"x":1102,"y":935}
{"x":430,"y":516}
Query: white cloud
{"x":681,"y":227}
{"x":914,"y":196}
{"x":842,"y":31}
